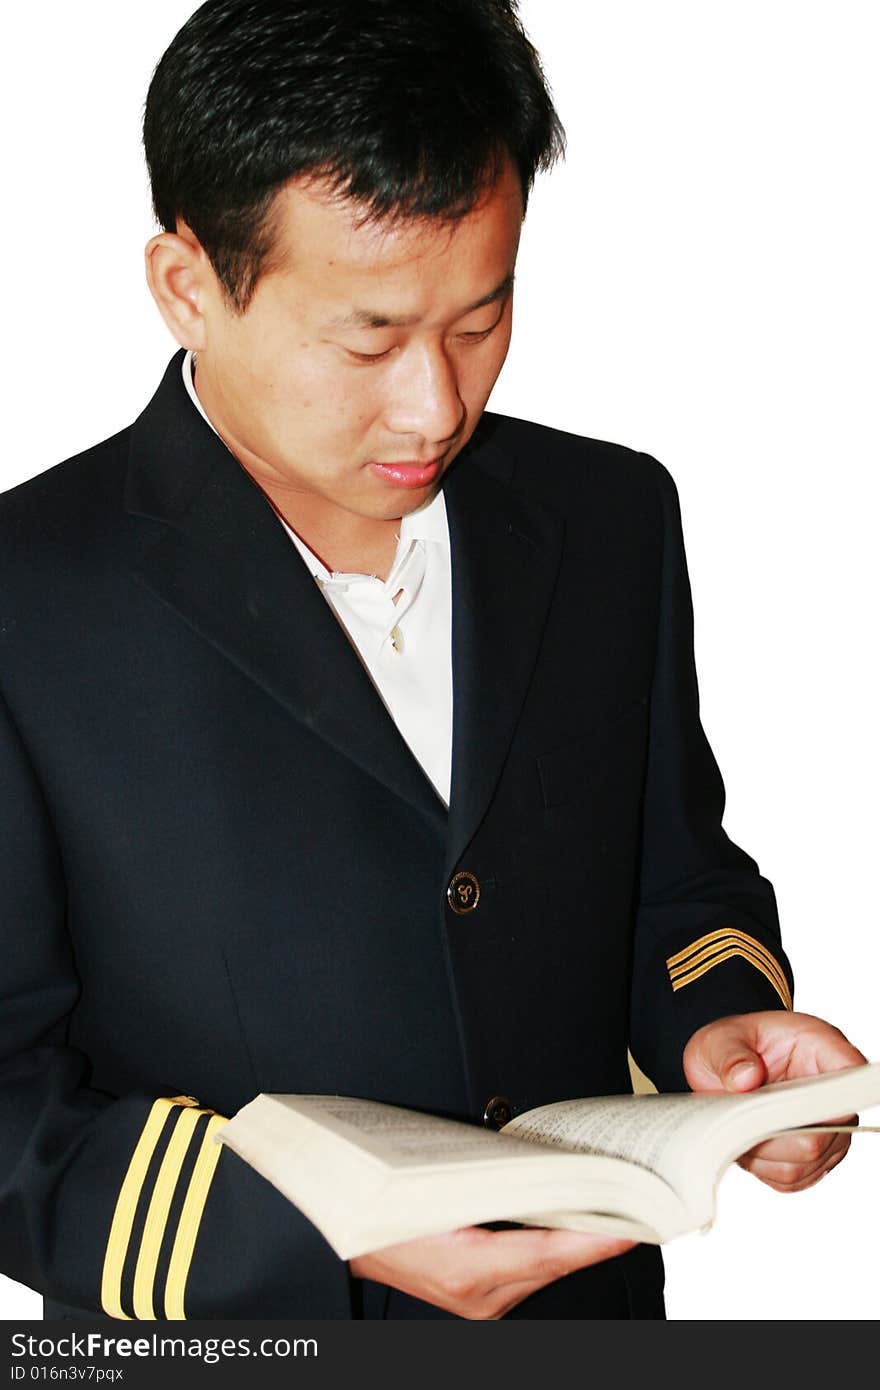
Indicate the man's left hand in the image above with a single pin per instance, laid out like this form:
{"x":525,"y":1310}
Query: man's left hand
{"x":745,"y":1051}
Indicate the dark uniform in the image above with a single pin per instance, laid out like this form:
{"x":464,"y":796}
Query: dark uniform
{"x":223,"y":872}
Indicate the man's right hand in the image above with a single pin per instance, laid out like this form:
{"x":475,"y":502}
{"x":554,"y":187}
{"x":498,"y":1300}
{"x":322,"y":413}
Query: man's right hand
{"x":475,"y":1273}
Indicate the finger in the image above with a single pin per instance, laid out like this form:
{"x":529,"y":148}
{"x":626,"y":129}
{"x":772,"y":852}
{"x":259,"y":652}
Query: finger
{"x":820,"y":1047}
{"x":786,"y":1177}
{"x":802,"y":1148}
{"x":801,"y":1157}
{"x":780,"y":1179}
{"x":539,"y":1253}
{"x":507,"y":1296}
{"x":797,"y":1162}
{"x":786,"y":1044}
{"x":470,"y":1271}
{"x":725,"y":1056}
{"x":795,"y":1148}
{"x":552,"y":1256}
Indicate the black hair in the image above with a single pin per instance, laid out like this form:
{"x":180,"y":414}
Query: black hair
{"x":409,"y":107}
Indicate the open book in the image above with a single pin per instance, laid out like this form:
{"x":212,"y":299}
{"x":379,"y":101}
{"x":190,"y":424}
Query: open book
{"x":641,"y":1167}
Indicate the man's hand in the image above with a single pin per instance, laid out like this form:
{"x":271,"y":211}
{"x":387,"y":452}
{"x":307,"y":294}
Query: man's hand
{"x":476,"y":1273}
{"x":746,"y":1051}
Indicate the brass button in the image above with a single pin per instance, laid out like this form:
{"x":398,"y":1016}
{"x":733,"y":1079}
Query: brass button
{"x":498,"y":1112}
{"x":463,"y":892}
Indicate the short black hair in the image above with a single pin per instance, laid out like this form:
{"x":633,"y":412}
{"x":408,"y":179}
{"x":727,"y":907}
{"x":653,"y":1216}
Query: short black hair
{"x":409,"y":107}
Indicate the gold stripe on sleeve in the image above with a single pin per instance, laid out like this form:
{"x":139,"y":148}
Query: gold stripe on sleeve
{"x":190,"y":1219}
{"x":740,"y":944}
{"x":711,"y":936}
{"x":126,"y":1206}
{"x":710,"y":950}
{"x":722,"y":951}
{"x":726,"y":955}
{"x":157,"y":1214}
{"x":696,"y":956}
{"x":748,"y":943}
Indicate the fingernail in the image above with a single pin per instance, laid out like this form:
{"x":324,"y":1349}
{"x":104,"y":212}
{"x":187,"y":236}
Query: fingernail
{"x":740,"y":1071}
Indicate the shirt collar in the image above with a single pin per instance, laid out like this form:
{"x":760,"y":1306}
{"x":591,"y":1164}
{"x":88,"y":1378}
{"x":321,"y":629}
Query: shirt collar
{"x":427,"y":524}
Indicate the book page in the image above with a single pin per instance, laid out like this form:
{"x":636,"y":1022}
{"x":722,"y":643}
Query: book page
{"x":652,"y":1131}
{"x":368,"y":1174}
{"x":689,"y":1139}
{"x":405,"y":1138}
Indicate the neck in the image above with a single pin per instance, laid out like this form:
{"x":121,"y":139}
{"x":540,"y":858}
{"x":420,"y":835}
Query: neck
{"x":345,"y":544}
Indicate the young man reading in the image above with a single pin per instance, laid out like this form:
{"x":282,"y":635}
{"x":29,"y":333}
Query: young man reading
{"x":350,"y":735}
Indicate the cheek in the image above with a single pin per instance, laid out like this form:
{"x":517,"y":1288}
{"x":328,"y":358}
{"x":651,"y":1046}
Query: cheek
{"x":292,"y":391}
{"x":308,"y":389}
{"x":350,"y":399}
{"x":480,"y":376}
{"x":331,"y":405}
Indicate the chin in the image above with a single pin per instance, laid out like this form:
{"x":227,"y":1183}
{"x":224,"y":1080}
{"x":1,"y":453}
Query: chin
{"x":394,"y":502}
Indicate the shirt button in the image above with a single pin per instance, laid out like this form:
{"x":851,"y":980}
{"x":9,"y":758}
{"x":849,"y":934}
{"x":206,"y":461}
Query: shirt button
{"x":397,"y":640}
{"x":498,"y":1112}
{"x":463,"y":893}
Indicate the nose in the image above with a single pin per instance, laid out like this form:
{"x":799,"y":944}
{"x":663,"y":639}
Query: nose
{"x":426,"y":400}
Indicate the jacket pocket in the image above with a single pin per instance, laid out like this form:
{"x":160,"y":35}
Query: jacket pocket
{"x":565,"y":772}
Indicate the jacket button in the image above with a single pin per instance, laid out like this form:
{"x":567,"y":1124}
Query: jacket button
{"x":463,"y":892}
{"x":497,"y":1113}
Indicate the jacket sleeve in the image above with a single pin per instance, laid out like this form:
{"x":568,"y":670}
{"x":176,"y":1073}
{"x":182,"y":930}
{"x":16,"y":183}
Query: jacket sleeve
{"x":122,"y":1205}
{"x":707,"y":938}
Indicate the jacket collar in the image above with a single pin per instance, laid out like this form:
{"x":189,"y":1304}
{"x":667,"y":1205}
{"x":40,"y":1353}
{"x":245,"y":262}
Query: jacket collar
{"x":225,"y":564}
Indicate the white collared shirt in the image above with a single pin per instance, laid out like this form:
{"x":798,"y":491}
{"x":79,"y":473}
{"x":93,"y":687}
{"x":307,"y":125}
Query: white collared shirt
{"x":405,"y":647}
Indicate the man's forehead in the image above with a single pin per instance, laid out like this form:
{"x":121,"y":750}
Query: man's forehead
{"x":318,"y":227}
{"x":375,"y":318}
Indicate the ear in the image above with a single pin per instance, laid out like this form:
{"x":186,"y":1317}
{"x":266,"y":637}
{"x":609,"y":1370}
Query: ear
{"x":180,"y":278}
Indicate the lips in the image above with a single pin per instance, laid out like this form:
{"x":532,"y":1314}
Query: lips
{"x":408,"y":474}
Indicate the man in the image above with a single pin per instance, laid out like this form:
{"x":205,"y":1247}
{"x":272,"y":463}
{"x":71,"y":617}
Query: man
{"x":350,"y":735}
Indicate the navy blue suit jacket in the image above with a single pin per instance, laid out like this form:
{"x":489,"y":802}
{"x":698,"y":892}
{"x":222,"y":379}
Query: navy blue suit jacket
{"x":223,"y":872}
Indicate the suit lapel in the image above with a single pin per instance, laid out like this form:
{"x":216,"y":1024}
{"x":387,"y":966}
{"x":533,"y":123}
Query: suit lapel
{"x":224,"y":563}
{"x":506,"y":551}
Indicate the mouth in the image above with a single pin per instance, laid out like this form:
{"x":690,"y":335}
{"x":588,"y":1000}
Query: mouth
{"x":409,"y":474}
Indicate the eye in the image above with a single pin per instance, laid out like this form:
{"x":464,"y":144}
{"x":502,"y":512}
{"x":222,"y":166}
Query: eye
{"x":482,"y":334}
{"x":366,"y":359}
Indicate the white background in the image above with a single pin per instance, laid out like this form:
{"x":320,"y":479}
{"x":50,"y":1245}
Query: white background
{"x":700,"y":280}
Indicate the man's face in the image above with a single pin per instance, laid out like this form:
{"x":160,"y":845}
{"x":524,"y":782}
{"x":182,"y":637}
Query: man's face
{"x":361,"y":366}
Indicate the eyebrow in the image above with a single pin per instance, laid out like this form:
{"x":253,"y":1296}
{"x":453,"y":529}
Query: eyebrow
{"x":369,"y":318}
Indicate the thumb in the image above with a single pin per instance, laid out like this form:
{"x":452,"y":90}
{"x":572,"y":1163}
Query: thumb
{"x":724,"y":1056}
{"x":743,"y":1072}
